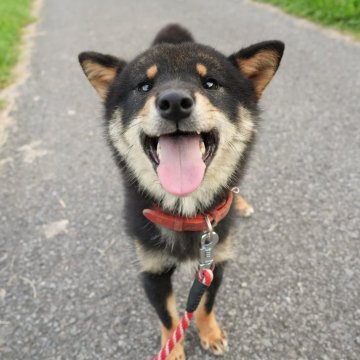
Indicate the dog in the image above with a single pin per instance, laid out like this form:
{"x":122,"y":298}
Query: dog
{"x":181,"y":119}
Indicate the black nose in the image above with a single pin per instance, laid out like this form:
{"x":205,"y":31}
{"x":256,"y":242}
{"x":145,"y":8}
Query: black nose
{"x":175,"y":104}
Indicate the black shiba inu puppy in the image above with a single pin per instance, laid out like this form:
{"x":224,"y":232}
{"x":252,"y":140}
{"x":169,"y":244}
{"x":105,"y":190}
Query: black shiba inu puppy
{"x":181,"y":119}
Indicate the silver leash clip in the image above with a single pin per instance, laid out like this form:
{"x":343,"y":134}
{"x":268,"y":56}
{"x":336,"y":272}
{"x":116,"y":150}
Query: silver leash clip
{"x":208,"y":241}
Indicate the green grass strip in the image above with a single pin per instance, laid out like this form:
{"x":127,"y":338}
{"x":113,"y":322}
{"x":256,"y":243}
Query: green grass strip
{"x":2,"y":103}
{"x":341,"y":14}
{"x":14,"y":15}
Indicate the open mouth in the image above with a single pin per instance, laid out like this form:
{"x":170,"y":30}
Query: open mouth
{"x":207,"y":145}
{"x":180,"y":159}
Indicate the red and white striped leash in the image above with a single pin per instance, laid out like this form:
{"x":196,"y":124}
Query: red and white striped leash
{"x":203,"y":280}
{"x":203,"y":277}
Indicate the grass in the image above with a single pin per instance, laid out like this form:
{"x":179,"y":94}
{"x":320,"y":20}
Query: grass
{"x":341,"y":14}
{"x":14,"y":15}
{"x":2,"y":103}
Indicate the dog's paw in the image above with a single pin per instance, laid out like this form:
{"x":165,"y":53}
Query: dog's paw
{"x":178,"y":353}
{"x":214,"y":340}
{"x":243,"y":209}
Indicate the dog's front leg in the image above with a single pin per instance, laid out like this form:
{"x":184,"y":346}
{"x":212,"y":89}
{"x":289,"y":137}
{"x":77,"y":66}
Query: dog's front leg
{"x":159,"y":291}
{"x":212,"y":337}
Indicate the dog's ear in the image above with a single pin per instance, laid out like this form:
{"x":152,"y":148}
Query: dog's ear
{"x":259,"y":63}
{"x":101,"y":70}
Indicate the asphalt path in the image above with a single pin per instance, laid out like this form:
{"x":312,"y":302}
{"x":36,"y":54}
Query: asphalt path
{"x":69,"y":281}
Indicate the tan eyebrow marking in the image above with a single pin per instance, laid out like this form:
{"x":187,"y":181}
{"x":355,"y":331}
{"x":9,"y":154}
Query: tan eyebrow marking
{"x":201,"y":69}
{"x":151,"y":72}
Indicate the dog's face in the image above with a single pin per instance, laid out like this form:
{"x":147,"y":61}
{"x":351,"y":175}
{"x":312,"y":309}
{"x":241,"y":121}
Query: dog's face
{"x":181,"y":116}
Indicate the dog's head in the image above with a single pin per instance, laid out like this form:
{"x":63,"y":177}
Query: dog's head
{"x":181,"y":114}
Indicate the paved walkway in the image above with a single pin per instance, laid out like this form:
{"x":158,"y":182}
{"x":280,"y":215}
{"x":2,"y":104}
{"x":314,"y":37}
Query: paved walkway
{"x":69,"y":285}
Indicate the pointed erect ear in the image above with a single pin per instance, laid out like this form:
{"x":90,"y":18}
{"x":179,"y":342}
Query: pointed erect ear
{"x":259,"y":63}
{"x":101,"y":70}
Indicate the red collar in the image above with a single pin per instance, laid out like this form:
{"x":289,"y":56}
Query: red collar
{"x":196,"y":223}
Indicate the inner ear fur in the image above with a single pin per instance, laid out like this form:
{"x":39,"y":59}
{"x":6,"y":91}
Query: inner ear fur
{"x":259,"y":63}
{"x":100,"y":69}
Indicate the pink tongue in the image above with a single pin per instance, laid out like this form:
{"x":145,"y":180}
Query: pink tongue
{"x":181,"y":168}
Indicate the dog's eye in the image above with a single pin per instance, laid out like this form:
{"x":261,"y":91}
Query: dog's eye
{"x":145,"y":86}
{"x":210,"y":84}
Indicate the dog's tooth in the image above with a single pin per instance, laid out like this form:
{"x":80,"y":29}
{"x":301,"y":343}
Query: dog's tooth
{"x":198,"y":132}
{"x":158,"y":150}
{"x":202,"y":148}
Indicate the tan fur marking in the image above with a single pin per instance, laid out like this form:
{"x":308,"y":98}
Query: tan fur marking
{"x":178,"y":352}
{"x":243,"y":209}
{"x":151,"y":72}
{"x":260,"y":69}
{"x":148,"y":112}
{"x":201,"y":69}
{"x":212,"y":337}
{"x":224,"y":251}
{"x":152,"y":260}
{"x":99,"y":76}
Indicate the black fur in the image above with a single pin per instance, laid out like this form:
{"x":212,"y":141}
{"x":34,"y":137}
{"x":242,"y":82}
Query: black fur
{"x":277,"y":47}
{"x":214,"y":287}
{"x":173,"y":34}
{"x":237,"y":88}
{"x":104,"y":60}
{"x":158,"y":288}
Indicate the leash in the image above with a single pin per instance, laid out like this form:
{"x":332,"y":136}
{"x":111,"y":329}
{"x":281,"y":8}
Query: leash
{"x":203,"y":279}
